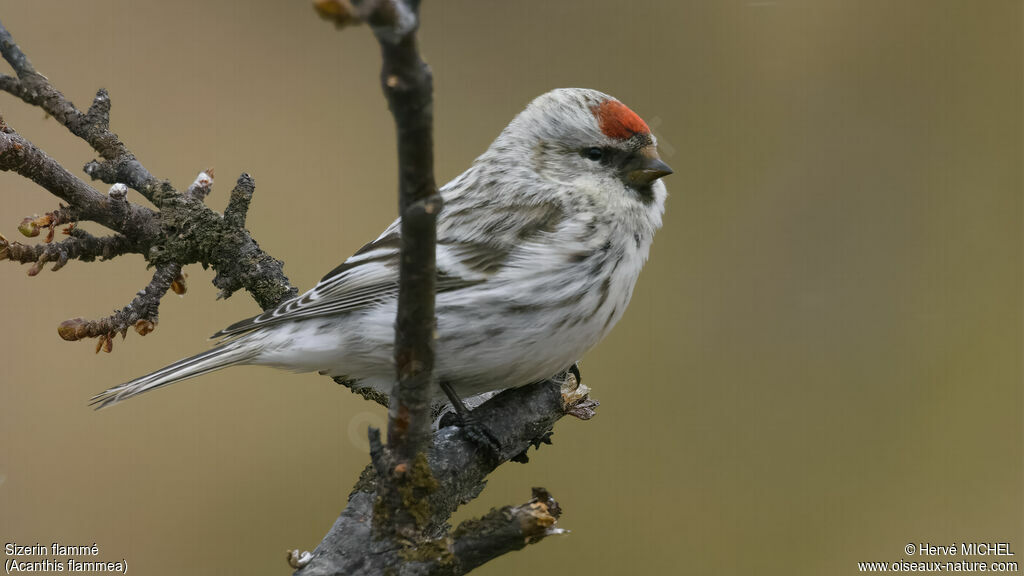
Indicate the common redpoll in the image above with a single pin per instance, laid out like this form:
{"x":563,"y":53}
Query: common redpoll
{"x":539,"y":245}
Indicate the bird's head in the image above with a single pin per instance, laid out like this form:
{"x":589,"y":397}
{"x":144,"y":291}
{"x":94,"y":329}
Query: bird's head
{"x":580,"y":137}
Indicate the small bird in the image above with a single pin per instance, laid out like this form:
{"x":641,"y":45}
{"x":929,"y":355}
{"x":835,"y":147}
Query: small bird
{"x":539,"y":245}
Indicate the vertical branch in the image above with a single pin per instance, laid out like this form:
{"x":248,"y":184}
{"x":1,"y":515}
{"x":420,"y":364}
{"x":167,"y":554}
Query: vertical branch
{"x":408,"y":86}
{"x":416,"y":482}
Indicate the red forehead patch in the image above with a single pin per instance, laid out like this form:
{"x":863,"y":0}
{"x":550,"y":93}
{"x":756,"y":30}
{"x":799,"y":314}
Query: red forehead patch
{"x":618,"y":121}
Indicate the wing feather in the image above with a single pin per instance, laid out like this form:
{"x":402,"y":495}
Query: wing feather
{"x":475,"y":240}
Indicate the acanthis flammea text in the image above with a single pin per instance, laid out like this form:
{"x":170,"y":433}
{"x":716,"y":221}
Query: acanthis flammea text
{"x":58,"y":557}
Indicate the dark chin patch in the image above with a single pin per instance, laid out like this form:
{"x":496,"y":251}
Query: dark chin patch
{"x":645,"y":193}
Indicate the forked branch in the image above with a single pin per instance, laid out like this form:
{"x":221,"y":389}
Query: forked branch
{"x":180,"y":231}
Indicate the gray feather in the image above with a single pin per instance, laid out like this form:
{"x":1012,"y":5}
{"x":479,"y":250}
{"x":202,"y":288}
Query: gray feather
{"x":213,"y":359}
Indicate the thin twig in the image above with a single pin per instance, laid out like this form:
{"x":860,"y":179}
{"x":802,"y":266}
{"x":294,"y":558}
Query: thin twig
{"x":19,"y":155}
{"x":183,"y":231}
{"x":503,"y":530}
{"x":81,"y":246}
{"x":408,"y":86}
{"x":141,"y":313}
{"x":119,"y":164}
{"x":238,"y":204}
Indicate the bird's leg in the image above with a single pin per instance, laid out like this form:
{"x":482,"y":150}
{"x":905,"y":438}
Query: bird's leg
{"x":460,"y":407}
{"x":575,"y":371}
{"x":469,"y":423}
{"x":464,"y":418}
{"x":544,"y":438}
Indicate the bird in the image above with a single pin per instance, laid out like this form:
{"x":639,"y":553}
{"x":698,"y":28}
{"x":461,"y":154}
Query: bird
{"x":539,"y":246}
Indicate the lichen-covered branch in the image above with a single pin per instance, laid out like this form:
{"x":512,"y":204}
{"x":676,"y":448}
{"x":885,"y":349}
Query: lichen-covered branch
{"x":181,"y":231}
{"x":119,"y":164}
{"x":503,"y":530}
{"x":141,"y":313}
{"x":238,"y":204}
{"x":516,"y":419}
{"x":80,"y":246}
{"x":21,"y":156}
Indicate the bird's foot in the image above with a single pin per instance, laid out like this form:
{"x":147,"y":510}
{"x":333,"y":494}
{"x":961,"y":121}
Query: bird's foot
{"x":475,"y":429}
{"x":466,"y":419}
{"x":544,"y":438}
{"x":575,"y":371}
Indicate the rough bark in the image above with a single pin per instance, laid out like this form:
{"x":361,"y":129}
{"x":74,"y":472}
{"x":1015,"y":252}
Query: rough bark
{"x":408,"y":86}
{"x":517,"y":419}
{"x":179,"y":232}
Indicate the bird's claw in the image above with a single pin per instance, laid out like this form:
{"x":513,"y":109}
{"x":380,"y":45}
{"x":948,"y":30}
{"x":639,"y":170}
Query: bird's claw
{"x":575,"y":371}
{"x":475,"y":430}
{"x":544,"y":438}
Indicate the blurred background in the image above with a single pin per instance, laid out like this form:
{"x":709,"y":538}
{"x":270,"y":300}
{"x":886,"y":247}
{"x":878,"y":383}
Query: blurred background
{"x":822,"y":361}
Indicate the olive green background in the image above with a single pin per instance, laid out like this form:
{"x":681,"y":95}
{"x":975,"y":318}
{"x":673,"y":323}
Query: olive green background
{"x":821,"y":362}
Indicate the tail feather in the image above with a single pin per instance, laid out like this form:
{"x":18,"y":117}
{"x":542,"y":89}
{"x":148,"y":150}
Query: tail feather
{"x":222,"y":356}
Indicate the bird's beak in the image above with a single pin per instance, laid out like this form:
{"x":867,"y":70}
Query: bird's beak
{"x":646,"y":167}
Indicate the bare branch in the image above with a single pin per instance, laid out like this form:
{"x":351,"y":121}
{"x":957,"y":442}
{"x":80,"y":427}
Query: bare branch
{"x":141,"y":314}
{"x":119,"y":163}
{"x":161,"y":237}
{"x":516,"y":418}
{"x":503,"y":530}
{"x":31,"y":226}
{"x":17,"y":59}
{"x":238,"y":204}
{"x":184,"y":230}
{"x":81,"y":246}
{"x":19,"y":155}
{"x":408,"y":86}
{"x":201,"y":186}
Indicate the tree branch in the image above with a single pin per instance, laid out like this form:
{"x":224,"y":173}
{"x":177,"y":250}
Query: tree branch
{"x":119,"y":163}
{"x":81,"y":246}
{"x":503,"y":530}
{"x":182,"y":231}
{"x":19,"y":155}
{"x":141,"y":313}
{"x":408,"y":87}
{"x":516,"y":418}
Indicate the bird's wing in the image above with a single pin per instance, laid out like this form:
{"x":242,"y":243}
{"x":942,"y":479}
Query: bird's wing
{"x":475,"y":240}
{"x":477,"y":236}
{"x":369,"y":276}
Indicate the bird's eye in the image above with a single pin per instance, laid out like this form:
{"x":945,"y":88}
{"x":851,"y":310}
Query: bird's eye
{"x":594,"y":153}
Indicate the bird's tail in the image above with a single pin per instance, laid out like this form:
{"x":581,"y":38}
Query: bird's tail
{"x":222,"y":356}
